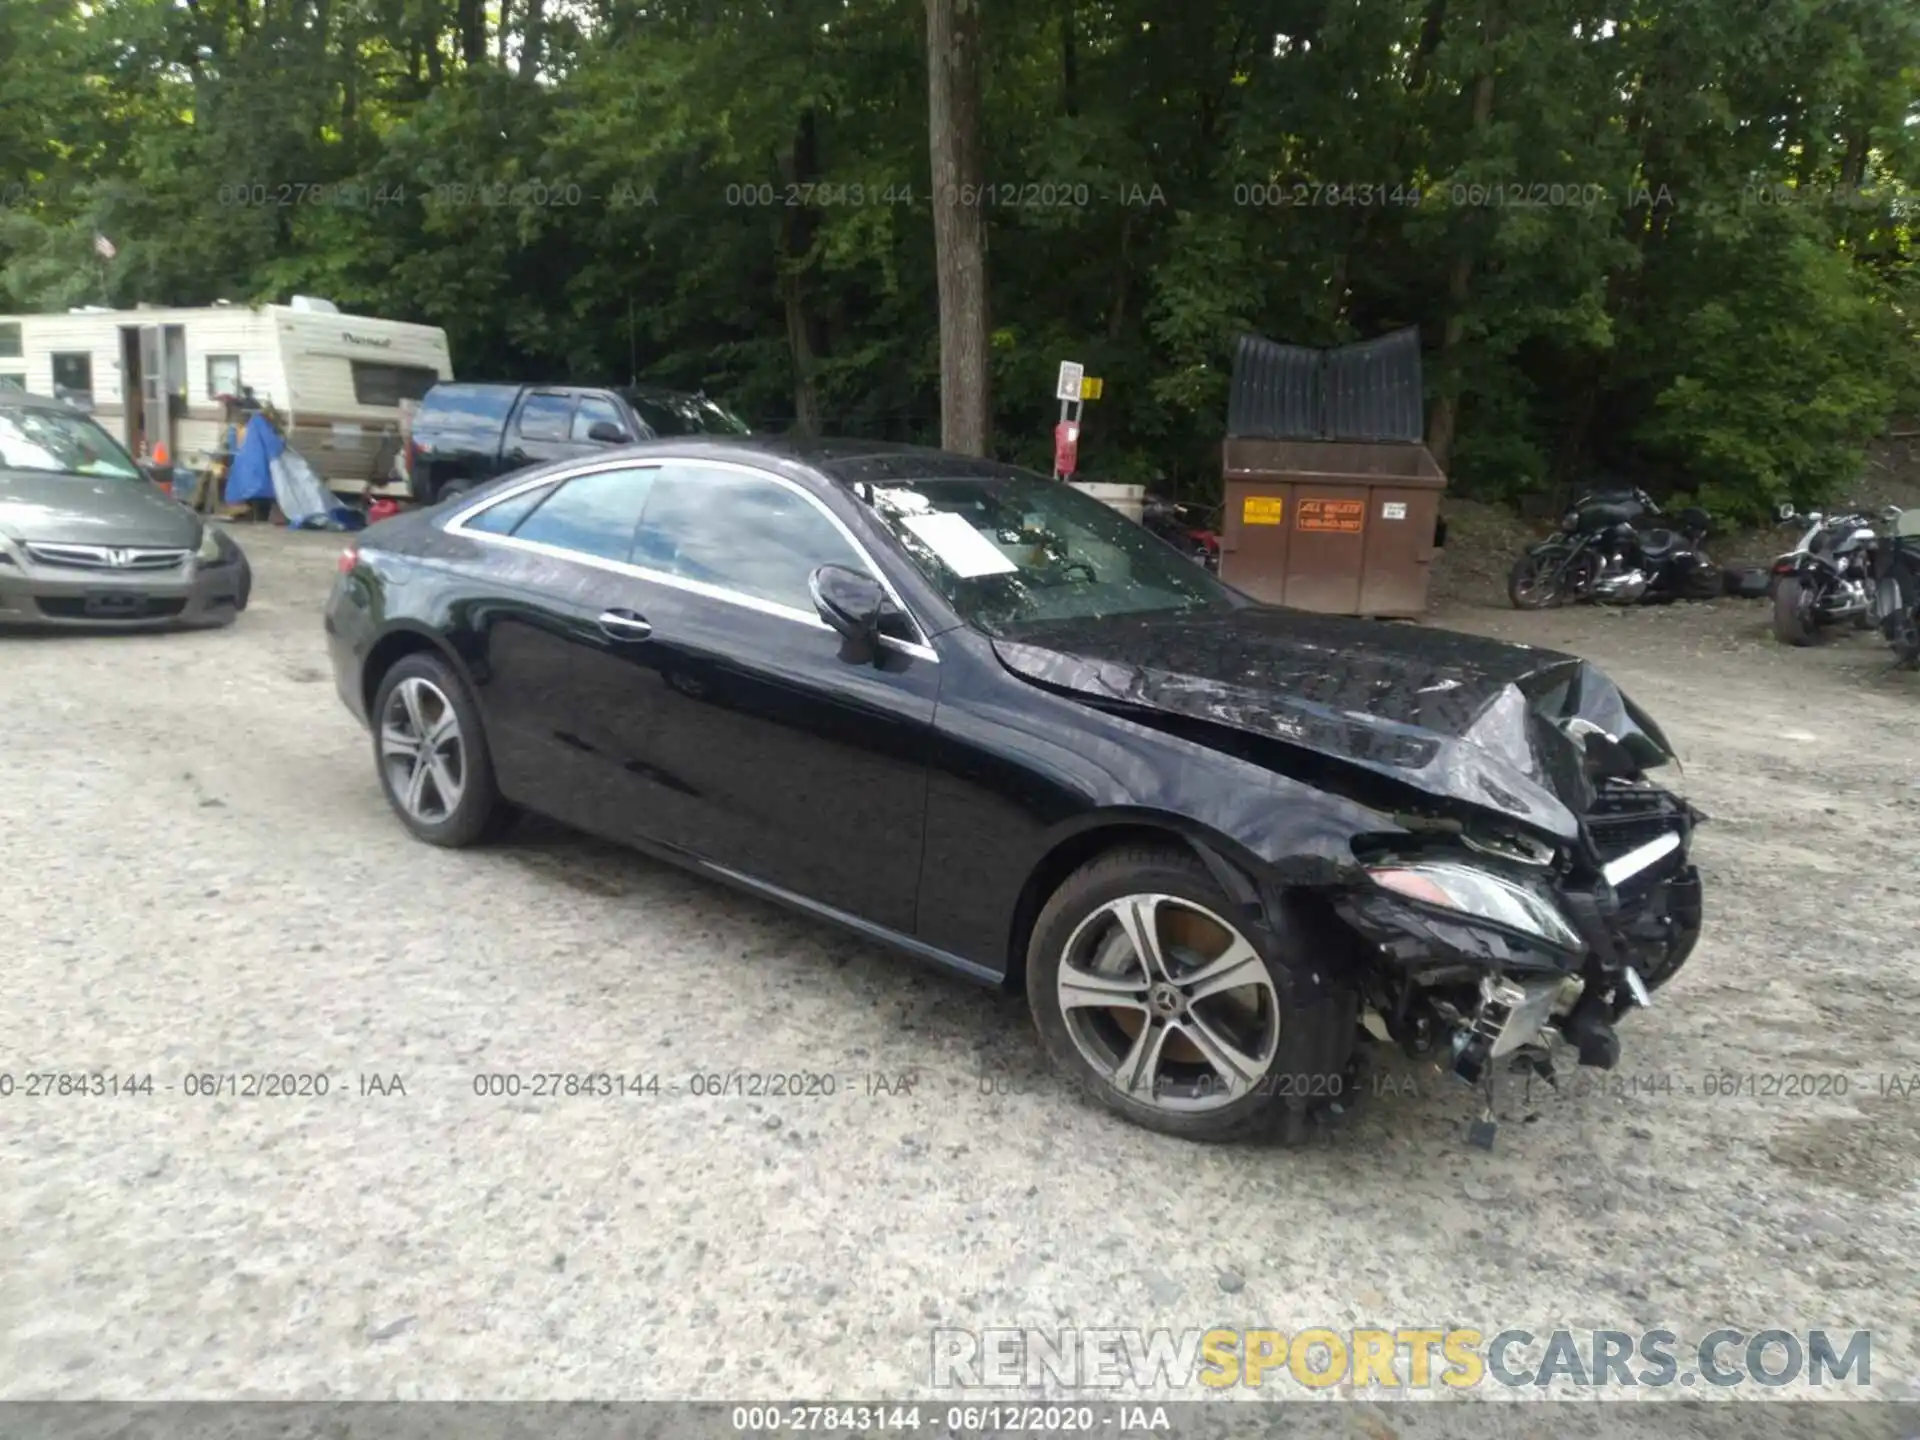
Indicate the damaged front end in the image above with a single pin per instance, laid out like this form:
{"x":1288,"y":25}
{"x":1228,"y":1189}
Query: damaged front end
{"x":1490,"y":942}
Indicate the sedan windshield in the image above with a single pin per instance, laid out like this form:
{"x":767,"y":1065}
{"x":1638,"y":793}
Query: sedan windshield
{"x":686,"y":415}
{"x":64,"y":443}
{"x":1009,"y":550}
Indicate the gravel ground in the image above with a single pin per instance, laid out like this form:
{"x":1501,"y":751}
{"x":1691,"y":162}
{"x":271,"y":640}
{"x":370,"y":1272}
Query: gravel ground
{"x":202,"y":877}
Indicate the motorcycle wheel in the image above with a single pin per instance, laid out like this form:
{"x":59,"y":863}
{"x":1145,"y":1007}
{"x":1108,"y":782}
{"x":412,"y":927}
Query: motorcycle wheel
{"x":1527,"y":588}
{"x":1792,"y":617}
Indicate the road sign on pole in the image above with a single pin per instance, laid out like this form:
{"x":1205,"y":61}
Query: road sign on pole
{"x":1071,"y":375}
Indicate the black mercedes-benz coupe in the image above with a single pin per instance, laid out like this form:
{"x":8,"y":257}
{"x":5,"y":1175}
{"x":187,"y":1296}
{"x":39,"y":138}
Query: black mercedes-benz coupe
{"x":964,"y":710}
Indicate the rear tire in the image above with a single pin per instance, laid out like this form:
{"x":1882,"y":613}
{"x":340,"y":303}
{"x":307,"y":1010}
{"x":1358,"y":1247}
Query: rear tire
{"x":454,"y":489}
{"x":1228,"y":1043}
{"x":1792,"y":625}
{"x":1526,"y":590}
{"x":430,"y":752}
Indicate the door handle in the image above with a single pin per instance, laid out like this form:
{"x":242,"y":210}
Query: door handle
{"x":624,"y":625}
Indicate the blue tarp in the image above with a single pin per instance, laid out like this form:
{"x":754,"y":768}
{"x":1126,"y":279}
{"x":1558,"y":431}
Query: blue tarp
{"x":251,"y":477}
{"x":266,"y":469}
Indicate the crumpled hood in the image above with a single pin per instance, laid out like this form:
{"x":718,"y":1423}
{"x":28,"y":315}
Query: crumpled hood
{"x":1458,"y":716}
{"x":77,"y":510}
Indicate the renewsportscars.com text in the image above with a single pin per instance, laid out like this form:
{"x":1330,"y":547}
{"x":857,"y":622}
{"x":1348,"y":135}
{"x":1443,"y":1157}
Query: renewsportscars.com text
{"x":1451,"y":1358}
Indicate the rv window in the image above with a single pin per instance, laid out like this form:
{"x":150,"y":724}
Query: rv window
{"x":223,"y":376}
{"x":10,"y":341}
{"x":73,"y":376}
{"x":375,"y":383}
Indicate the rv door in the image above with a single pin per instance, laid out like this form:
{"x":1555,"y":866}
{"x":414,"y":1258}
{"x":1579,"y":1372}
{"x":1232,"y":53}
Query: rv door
{"x":156,"y":389}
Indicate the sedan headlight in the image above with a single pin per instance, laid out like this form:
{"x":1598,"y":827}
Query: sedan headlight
{"x":1481,"y":894}
{"x":210,"y":549}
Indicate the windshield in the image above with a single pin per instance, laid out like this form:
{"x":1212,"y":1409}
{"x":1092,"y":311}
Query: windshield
{"x":62,"y":442}
{"x":1010,"y":550}
{"x":686,"y":415}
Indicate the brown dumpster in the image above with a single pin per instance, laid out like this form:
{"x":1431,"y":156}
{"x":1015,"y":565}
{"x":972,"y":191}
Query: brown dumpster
{"x":1344,"y":527}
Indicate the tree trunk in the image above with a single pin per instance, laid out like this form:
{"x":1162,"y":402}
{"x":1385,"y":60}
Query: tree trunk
{"x":1446,"y":406}
{"x":959,"y":230}
{"x":532,"y":37}
{"x":471,"y":20}
{"x":1069,"y":63}
{"x":799,"y":227}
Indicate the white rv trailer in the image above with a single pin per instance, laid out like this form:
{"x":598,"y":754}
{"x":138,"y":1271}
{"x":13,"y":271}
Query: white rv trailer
{"x":154,"y":376}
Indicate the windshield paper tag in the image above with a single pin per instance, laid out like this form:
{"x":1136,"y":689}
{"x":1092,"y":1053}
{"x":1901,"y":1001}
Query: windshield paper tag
{"x":958,"y":546}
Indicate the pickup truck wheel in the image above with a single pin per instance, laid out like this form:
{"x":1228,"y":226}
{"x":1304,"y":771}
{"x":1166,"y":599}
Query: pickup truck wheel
{"x":1151,"y":1001}
{"x":453,"y":489}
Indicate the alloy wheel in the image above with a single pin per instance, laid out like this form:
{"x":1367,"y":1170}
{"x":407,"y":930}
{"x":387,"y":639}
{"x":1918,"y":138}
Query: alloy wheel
{"x":1169,"y":1003}
{"x":422,"y":751}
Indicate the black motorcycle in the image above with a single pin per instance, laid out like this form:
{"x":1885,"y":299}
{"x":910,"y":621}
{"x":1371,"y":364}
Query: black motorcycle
{"x":1896,"y":588}
{"x":1827,"y":577}
{"x":1611,"y":548}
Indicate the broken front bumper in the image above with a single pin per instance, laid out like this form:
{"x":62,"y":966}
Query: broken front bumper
{"x":1632,"y":902}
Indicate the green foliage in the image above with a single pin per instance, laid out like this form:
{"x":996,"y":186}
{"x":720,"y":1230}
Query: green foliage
{"x":1672,"y":239}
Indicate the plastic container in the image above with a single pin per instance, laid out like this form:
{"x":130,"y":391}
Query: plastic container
{"x":1129,"y":500}
{"x":1341,"y":527}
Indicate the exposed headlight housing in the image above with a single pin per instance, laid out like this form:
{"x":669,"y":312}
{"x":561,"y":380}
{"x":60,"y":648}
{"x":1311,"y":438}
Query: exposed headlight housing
{"x":1479,"y":894}
{"x":210,"y":550}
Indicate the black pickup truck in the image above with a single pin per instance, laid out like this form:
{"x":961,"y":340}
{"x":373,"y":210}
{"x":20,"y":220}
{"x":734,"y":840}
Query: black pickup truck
{"x":465,"y":434}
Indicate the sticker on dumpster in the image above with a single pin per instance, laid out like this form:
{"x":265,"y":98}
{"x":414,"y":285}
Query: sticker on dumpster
{"x":1393,"y":510}
{"x":1262,"y":510}
{"x":1339,"y":516}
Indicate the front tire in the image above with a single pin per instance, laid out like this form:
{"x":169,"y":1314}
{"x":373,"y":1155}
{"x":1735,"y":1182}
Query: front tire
{"x":1792,"y":613}
{"x":1149,"y":998}
{"x":1527,"y":588}
{"x":431,"y":754}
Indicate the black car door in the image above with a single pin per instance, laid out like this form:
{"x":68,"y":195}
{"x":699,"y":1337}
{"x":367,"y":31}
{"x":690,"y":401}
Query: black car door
{"x":539,"y":431}
{"x":553,"y":601}
{"x":743,"y":736}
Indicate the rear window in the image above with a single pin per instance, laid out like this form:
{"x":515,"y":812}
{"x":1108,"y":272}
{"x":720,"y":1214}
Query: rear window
{"x":464,"y":407}
{"x":376,"y":382}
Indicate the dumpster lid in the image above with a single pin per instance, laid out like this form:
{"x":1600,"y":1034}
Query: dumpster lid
{"x":1370,"y":390}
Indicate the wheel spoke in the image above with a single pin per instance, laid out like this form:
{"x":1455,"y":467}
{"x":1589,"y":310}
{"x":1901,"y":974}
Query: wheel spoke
{"x":1141,"y":1065}
{"x":397,"y":743}
{"x":1138,"y":916}
{"x":1232,"y":1064}
{"x":443,"y":729}
{"x":1237,"y":966}
{"x":1082,"y":989}
{"x":410,"y":698}
{"x":417,"y":787}
{"x":444,"y":785}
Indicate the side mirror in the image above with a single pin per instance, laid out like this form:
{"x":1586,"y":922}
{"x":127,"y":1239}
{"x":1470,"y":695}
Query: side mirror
{"x":1785,"y":512}
{"x":854,"y":604}
{"x":606,"y":433}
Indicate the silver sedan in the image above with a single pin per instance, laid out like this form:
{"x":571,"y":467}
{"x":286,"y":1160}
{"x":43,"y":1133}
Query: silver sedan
{"x":88,"y":539}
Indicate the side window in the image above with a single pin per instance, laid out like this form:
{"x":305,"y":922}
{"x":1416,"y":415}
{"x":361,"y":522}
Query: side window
{"x":591,"y":514}
{"x":738,"y":531}
{"x":544,"y":417}
{"x":593,"y":411}
{"x":73,"y":376}
{"x":501,"y":518}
